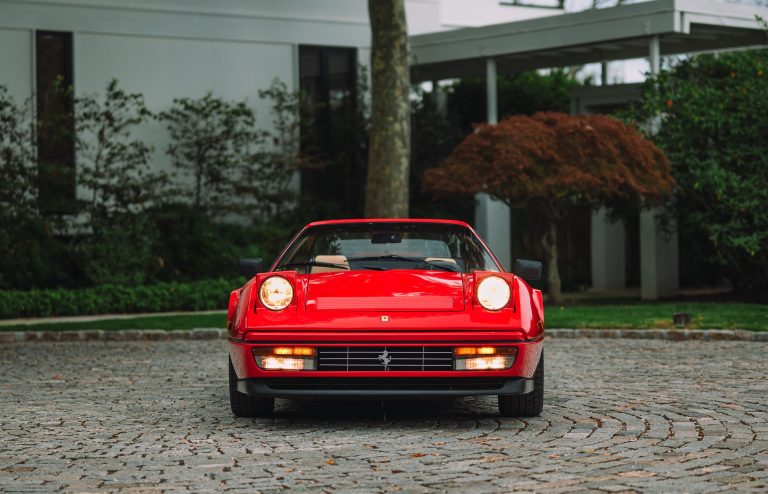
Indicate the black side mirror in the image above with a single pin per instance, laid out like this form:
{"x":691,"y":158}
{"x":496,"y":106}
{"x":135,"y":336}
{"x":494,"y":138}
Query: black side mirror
{"x":527,"y":270}
{"x":250,"y":267}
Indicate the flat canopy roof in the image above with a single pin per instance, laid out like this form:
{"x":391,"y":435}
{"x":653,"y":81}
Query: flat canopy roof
{"x":616,"y":33}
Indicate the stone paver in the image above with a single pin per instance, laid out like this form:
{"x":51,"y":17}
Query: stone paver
{"x":619,"y":416}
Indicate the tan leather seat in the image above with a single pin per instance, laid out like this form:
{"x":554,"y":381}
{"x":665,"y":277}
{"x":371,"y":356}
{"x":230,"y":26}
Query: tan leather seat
{"x":442,"y":259}
{"x":340,"y":260}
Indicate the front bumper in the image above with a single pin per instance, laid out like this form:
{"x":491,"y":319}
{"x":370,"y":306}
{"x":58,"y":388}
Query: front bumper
{"x":391,"y":388}
{"x":255,"y":381}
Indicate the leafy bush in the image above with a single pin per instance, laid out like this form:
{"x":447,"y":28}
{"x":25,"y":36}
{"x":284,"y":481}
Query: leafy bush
{"x":521,"y":94}
{"x":556,"y":162}
{"x":212,"y":139}
{"x":18,"y":186}
{"x":123,"y":252}
{"x":163,"y":297}
{"x":190,"y":246}
{"x":712,"y":114}
{"x":31,"y":256}
{"x":112,"y":166}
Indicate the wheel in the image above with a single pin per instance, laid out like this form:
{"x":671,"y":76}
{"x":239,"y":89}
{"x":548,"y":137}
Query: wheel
{"x":527,"y":405}
{"x":247,"y":406}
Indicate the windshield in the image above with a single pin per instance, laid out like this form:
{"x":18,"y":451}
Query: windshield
{"x":387,"y":246}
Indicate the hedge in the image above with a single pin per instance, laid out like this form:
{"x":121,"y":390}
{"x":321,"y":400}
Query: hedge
{"x":107,"y":299}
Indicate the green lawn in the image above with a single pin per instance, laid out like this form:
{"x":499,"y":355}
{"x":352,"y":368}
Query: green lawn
{"x":704,"y":315}
{"x":146,"y":322}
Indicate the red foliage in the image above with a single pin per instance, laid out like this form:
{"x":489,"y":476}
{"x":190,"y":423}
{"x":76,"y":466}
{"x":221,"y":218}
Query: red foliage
{"x":555,"y":161}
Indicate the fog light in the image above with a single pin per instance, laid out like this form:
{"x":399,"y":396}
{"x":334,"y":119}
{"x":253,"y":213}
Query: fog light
{"x":285,"y":358}
{"x":483,"y":358}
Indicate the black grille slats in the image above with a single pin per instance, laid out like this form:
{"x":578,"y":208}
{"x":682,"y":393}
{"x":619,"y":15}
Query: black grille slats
{"x":385,"y":358}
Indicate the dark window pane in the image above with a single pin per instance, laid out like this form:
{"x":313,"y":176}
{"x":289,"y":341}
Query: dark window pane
{"x":56,"y":139}
{"x":328,"y":80}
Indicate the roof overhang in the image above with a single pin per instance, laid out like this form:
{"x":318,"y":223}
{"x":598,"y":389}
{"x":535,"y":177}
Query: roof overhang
{"x":616,"y":33}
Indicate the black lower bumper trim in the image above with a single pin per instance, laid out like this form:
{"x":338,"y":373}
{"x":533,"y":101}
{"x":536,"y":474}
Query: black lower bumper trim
{"x":383,"y":388}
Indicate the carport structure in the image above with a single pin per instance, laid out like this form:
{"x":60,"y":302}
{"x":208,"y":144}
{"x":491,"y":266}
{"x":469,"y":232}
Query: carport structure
{"x":648,"y":29}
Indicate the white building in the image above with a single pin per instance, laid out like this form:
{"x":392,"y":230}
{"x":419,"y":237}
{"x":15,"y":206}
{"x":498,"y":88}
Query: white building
{"x":167,"y":49}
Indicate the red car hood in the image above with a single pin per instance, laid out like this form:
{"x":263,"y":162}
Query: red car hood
{"x":395,"y":290}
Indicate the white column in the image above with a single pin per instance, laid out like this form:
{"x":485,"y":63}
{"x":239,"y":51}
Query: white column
{"x":659,"y":257}
{"x":491,"y":92}
{"x":608,"y":244}
{"x":492,"y":218}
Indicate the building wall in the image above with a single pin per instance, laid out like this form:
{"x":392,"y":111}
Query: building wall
{"x":168,"y":68}
{"x":167,"y":49}
{"x":16,"y":62}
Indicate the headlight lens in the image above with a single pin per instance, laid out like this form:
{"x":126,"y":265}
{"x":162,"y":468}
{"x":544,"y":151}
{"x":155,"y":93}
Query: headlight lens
{"x":276,"y":293}
{"x":493,"y":293}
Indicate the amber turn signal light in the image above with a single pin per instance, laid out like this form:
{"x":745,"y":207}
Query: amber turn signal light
{"x":483,"y":358}
{"x":285,"y":358}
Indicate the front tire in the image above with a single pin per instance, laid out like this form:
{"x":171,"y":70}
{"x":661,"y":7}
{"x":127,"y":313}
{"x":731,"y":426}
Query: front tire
{"x":527,"y":405}
{"x":247,"y":406}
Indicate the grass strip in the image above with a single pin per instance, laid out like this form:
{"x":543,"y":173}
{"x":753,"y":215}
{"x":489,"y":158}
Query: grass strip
{"x":186,"y":321}
{"x":704,"y":315}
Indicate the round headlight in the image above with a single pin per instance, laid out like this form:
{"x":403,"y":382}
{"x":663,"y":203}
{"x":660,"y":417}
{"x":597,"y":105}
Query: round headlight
{"x":276,"y":293}
{"x":493,"y":293}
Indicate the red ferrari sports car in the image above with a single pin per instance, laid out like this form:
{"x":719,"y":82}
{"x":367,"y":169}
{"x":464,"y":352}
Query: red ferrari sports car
{"x":386,"y":308}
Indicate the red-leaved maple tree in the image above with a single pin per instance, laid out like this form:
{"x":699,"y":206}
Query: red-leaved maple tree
{"x":554,"y":162}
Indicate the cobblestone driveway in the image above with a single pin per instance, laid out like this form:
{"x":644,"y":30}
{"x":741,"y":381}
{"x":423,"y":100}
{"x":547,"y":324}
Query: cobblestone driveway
{"x":620,"y":415}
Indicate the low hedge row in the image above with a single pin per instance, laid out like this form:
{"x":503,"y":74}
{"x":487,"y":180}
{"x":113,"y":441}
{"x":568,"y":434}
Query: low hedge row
{"x":107,"y":299}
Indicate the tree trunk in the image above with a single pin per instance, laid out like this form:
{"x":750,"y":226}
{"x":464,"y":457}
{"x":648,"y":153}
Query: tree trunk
{"x":386,"y":192}
{"x":549,"y":242}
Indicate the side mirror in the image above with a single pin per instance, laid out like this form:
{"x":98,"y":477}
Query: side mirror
{"x":250,"y":267}
{"x":527,"y":270}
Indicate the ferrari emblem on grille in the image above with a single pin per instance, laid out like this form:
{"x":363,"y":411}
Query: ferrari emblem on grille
{"x":384,"y":318}
{"x":385,"y":359}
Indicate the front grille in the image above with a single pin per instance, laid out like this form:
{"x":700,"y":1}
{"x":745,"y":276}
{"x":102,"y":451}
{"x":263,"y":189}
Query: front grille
{"x":385,"y":358}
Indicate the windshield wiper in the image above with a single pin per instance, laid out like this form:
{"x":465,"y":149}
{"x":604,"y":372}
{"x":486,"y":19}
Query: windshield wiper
{"x":395,"y":257}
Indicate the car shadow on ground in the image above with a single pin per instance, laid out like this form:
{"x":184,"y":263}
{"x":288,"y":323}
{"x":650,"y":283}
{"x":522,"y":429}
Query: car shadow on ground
{"x":386,"y":410}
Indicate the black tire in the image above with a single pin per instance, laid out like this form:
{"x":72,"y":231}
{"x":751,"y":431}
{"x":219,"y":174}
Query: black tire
{"x":527,"y":405}
{"x":247,"y":406}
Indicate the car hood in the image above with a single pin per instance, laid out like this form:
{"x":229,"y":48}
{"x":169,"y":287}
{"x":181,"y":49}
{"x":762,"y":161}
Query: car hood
{"x":393,"y":290}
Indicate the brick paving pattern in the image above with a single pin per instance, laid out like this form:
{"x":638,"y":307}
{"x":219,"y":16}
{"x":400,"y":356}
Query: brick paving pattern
{"x":619,"y":416}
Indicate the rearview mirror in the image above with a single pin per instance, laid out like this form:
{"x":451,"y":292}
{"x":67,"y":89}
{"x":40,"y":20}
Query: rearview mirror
{"x":527,"y":270}
{"x":250,"y":267}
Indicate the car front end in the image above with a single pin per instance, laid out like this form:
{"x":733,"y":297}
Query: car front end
{"x":384,"y":326}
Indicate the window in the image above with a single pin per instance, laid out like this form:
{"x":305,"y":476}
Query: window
{"x":328,"y":78}
{"x":55,"y":133}
{"x":387,"y":246}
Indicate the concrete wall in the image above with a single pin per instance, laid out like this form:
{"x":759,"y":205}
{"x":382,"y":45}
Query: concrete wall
{"x":16,"y":70}
{"x":171,"y":68}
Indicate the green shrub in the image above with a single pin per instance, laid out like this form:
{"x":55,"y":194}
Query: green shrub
{"x":31,"y":256}
{"x":163,"y":297}
{"x":713,"y":127}
{"x":191,"y":246}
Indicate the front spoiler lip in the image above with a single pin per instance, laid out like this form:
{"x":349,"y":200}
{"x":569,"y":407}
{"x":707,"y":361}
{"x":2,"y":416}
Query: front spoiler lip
{"x":271,"y":388}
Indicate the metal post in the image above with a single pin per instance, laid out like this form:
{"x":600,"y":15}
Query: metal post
{"x":491,"y":96}
{"x":492,"y":218}
{"x":659,"y":257}
{"x":603,"y":73}
{"x":654,"y":55}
